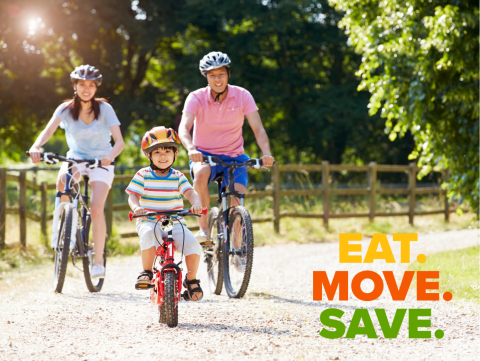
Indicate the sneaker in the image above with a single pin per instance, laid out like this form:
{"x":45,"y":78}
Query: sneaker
{"x":98,"y":271}
{"x":202,"y":237}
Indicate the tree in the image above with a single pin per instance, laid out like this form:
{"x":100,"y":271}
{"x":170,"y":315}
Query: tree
{"x":294,"y":60}
{"x":420,"y":64}
{"x":41,"y":42}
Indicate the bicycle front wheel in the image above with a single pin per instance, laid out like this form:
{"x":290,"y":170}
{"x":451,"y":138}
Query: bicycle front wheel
{"x":63,"y":248}
{"x":214,"y":255}
{"x":171,"y":298}
{"x":93,"y":284}
{"x":238,"y":253}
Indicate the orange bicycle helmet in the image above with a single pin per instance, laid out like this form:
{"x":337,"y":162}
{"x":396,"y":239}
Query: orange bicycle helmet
{"x":159,"y":137}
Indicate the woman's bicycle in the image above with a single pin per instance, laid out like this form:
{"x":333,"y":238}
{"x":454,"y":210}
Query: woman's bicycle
{"x":71,"y":233}
{"x":230,"y":258}
{"x":166,"y":287}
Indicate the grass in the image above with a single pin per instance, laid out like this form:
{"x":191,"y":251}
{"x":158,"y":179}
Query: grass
{"x":302,"y":230}
{"x":459,"y":272}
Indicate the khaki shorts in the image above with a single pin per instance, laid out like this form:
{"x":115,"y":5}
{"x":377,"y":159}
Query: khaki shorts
{"x":147,"y":238}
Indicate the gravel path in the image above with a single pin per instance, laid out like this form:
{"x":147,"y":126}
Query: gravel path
{"x":277,"y":320}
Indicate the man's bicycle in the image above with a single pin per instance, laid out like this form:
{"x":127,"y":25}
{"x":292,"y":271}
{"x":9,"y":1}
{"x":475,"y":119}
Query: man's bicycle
{"x":71,"y":233}
{"x":230,"y":258}
{"x":166,"y":287}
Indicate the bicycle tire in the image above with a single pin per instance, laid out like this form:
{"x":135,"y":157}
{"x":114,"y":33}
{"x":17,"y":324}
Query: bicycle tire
{"x":170,"y":300}
{"x":238,"y":287}
{"x":63,"y":248}
{"x":93,"y":284}
{"x":215,"y":261}
{"x":162,"y":314}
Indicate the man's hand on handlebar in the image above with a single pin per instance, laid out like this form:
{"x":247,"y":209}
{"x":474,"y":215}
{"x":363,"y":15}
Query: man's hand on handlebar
{"x":268,"y":160}
{"x":195,"y":156}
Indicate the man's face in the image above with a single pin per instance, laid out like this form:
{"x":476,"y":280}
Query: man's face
{"x":218,"y":79}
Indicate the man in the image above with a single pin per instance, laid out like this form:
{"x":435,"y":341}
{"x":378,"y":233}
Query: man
{"x":218,"y":112}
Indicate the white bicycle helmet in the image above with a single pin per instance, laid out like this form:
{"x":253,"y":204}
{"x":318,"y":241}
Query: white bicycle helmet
{"x":214,"y":60}
{"x":86,"y":72}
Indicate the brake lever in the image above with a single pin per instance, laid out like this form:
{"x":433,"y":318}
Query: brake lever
{"x":265,"y":168}
{"x":94,"y":165}
{"x":48,"y":160}
{"x":102,"y":168}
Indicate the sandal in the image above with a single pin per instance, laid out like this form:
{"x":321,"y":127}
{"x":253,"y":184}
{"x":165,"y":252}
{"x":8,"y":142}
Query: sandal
{"x":189,"y":291}
{"x":144,"y":284}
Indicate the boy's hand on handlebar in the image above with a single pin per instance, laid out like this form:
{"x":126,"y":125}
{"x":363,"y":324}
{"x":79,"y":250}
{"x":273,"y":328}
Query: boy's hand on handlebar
{"x":106,"y":161}
{"x":267,"y":160}
{"x":139,"y":211}
{"x":195,"y":156}
{"x":35,"y":155}
{"x":196,"y":209}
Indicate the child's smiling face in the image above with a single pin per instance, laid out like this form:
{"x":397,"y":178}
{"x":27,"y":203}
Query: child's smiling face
{"x":163,"y":157}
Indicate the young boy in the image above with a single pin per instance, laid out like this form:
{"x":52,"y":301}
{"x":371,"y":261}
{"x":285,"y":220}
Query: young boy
{"x":159,"y":187}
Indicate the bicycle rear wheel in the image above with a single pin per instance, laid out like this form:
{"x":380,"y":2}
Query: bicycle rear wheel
{"x":93,"y":284}
{"x":214,"y":254}
{"x":171,"y":298}
{"x":238,"y":253}
{"x":63,"y":248}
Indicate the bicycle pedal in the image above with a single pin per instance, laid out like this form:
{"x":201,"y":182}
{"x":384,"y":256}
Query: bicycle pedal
{"x":206,"y":243}
{"x":143,"y":286}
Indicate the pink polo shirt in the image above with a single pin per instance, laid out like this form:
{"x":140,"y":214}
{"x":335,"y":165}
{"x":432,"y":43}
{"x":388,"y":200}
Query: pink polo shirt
{"x":218,"y":126}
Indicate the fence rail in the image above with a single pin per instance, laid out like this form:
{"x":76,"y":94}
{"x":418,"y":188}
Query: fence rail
{"x":276,"y":193}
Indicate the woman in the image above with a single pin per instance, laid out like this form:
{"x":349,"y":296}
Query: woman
{"x":89,"y":124}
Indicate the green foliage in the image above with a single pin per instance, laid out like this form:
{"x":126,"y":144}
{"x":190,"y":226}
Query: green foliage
{"x":420,"y":63}
{"x":289,"y":54}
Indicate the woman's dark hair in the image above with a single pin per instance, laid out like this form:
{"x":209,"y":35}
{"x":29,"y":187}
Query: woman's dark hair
{"x":75,"y":106}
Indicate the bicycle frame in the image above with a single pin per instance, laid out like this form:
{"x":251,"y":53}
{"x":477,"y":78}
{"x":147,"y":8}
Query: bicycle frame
{"x":167,"y":263}
{"x":74,"y":198}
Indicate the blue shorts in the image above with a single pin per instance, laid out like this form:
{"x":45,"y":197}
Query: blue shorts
{"x":240,"y":174}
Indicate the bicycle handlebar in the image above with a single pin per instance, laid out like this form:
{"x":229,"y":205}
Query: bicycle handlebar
{"x":254,"y":163}
{"x":181,"y":212}
{"x":51,"y":156}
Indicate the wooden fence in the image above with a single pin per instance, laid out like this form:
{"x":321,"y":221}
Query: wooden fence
{"x":326,"y":191}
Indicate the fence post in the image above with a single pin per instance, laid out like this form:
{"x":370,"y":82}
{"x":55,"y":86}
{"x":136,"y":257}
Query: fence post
{"x":109,"y":215}
{"x":373,"y":187}
{"x":276,"y":198}
{"x":3,"y":205}
{"x":412,"y":183}
{"x":447,"y":209}
{"x":22,"y":207}
{"x":326,"y":191}
{"x":43,"y":212}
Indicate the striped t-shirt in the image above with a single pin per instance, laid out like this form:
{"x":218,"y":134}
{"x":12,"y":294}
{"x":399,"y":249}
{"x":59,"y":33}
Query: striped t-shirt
{"x":159,"y":193}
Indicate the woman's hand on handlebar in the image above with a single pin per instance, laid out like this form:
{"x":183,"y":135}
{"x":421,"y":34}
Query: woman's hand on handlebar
{"x":35,"y":155}
{"x":139,"y":211}
{"x":106,"y":161}
{"x":267,"y":160}
{"x":196,"y":209}
{"x":195,"y":156}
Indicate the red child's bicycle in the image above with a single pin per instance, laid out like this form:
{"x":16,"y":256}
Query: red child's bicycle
{"x":167,"y":280}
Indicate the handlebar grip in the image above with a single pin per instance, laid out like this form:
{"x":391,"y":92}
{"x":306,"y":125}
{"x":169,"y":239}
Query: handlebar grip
{"x":28,"y":153}
{"x":204,"y":211}
{"x":130,"y":216}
